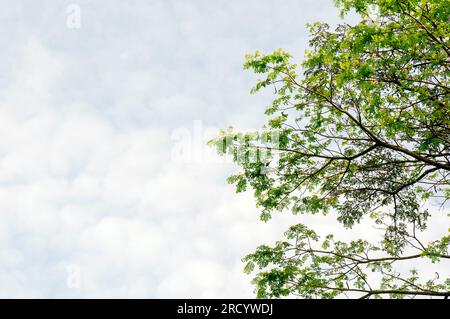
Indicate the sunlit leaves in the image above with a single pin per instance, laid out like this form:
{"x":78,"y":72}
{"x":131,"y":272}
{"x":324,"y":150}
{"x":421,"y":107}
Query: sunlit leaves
{"x":307,"y":268}
{"x":362,"y":129}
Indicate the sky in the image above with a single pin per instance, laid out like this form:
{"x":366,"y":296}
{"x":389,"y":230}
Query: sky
{"x":106,"y":186}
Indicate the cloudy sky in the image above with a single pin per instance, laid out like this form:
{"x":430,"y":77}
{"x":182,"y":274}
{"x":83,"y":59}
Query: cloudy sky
{"x":95,"y":199}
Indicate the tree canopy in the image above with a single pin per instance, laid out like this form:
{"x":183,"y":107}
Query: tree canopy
{"x":360,"y":128}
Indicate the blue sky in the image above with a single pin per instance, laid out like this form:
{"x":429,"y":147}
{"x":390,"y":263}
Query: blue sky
{"x":91,"y":187}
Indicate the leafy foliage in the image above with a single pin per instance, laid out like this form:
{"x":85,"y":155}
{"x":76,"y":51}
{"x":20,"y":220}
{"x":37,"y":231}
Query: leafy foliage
{"x":302,"y":267}
{"x":363,"y":130}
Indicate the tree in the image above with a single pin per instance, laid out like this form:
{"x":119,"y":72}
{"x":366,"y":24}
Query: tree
{"x":364,"y":132}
